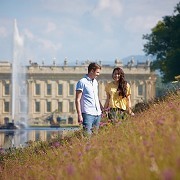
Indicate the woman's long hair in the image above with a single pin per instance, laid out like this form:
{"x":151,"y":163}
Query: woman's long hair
{"x":122,"y":86}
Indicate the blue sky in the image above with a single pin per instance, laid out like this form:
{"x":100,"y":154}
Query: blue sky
{"x":79,"y":29}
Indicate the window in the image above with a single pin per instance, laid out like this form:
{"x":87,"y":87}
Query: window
{"x":22,"y":90}
{"x":48,"y":107}
{"x":140,"y":90}
{"x":6,"y":120}
{"x":48,"y":89}
{"x":6,"y":106}
{"x":22,"y":106}
{"x":37,"y":136}
{"x":60,"y":89}
{"x":37,"y":89}
{"x":37,"y":106}
{"x":60,"y":106}
{"x":71,"y":107}
{"x":7,"y":89}
{"x":70,"y":120}
{"x":71,"y":89}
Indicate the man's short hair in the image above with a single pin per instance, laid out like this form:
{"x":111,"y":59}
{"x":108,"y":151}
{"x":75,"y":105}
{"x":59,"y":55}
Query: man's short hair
{"x":93,"y":66}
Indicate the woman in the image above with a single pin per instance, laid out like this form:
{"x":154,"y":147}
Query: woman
{"x":118,"y":100}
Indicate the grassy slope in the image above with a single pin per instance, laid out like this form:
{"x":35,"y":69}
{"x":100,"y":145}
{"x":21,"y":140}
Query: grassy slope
{"x":146,"y":146}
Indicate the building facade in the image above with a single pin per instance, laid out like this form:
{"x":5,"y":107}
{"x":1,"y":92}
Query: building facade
{"x":50,"y":90}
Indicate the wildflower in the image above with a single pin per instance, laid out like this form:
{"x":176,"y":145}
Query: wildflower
{"x":171,"y":105}
{"x":65,"y":153}
{"x":103,"y":124}
{"x":88,"y":147}
{"x":103,"y":115}
{"x":70,"y":169}
{"x":160,"y":121}
{"x":173,"y":138}
{"x":168,"y":174}
{"x":154,"y":166}
{"x":107,"y":109}
{"x":2,"y":151}
{"x":118,"y":178}
{"x":55,"y":144}
{"x":79,"y":154}
{"x":178,"y":162}
{"x":98,"y":178}
{"x":145,"y":143}
{"x":119,"y":122}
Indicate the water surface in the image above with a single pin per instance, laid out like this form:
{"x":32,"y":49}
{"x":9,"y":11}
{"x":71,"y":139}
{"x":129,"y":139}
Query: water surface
{"x":20,"y":137}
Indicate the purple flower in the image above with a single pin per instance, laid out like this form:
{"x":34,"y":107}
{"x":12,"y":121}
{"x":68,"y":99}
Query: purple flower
{"x":118,"y":178}
{"x":56,"y":144}
{"x":103,"y":124}
{"x":168,"y":174}
{"x":70,"y":169}
{"x":88,"y":147}
{"x":98,"y":178}
{"x":2,"y":151}
{"x":171,"y":105}
{"x":79,"y":154}
{"x":160,"y":122}
{"x":65,"y":153}
{"x":178,"y":162}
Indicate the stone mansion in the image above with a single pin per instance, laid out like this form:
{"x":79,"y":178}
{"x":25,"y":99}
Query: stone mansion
{"x":52,"y":88}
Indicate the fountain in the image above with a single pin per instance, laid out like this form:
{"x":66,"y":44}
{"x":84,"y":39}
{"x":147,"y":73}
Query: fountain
{"x":17,"y":132}
{"x":19,"y":89}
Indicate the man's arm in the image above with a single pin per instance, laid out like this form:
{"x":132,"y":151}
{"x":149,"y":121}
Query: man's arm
{"x":78,"y":105}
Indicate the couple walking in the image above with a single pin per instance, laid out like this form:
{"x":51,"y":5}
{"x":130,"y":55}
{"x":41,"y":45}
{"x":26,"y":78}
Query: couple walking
{"x":88,"y":106}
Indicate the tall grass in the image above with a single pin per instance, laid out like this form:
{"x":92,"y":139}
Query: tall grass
{"x":146,"y":146}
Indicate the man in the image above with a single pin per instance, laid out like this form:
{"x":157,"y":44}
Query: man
{"x":87,"y":101}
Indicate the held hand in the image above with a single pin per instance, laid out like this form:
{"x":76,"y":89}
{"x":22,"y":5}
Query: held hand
{"x":80,"y":122}
{"x":130,"y":112}
{"x":80,"y":119}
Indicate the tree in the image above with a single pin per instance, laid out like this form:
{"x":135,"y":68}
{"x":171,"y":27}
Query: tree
{"x":164,"y":44}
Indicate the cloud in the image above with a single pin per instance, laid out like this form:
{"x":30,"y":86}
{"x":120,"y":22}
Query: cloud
{"x":49,"y":45}
{"x":71,"y":28}
{"x":143,"y":15}
{"x":107,"y":12}
{"x":112,"y":8}
{"x":3,"y":32}
{"x":42,"y":44}
{"x":139,"y":24}
{"x":75,"y":7}
{"x":50,"y":27}
{"x":29,"y":34}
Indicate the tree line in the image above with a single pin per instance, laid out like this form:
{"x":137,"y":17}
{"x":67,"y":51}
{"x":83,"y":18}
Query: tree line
{"x":163,"y":43}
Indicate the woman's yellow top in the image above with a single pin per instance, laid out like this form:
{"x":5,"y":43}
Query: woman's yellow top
{"x":115,"y":100}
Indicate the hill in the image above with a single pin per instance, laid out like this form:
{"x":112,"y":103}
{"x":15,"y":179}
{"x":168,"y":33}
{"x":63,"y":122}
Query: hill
{"x":137,"y":58}
{"x":125,"y":60}
{"x":145,"y":146}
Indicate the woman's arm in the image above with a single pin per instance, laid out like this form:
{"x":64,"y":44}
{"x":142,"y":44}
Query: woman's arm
{"x":129,"y":105}
{"x":101,"y":106}
{"x":106,"y":105}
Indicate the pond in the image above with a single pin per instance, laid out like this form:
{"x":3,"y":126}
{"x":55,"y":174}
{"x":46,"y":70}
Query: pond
{"x":19,"y":137}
